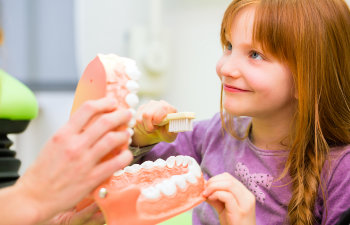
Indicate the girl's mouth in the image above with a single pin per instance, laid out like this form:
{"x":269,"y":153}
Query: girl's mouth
{"x":233,"y":89}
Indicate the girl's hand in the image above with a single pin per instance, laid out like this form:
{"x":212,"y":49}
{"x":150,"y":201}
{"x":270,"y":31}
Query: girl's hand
{"x":69,"y":166}
{"x":148,"y":116}
{"x":234,"y":203}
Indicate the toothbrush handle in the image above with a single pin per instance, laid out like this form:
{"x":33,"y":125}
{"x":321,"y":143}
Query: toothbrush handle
{"x":164,"y":122}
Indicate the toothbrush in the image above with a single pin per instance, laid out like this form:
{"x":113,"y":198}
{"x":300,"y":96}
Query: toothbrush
{"x":179,"y":122}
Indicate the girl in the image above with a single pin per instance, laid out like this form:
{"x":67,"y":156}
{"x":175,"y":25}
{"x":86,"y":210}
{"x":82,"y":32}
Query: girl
{"x":278,"y":152}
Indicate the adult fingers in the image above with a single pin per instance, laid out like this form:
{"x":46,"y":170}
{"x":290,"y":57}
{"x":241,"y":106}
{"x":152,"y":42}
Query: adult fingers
{"x":107,"y":143}
{"x":104,"y":124}
{"x":89,"y":215}
{"x":88,"y":110}
{"x":105,"y":169}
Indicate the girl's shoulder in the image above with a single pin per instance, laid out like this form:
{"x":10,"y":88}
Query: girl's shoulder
{"x":337,"y":165}
{"x":339,"y":154}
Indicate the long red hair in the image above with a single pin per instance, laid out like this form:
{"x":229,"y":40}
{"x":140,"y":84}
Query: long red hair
{"x":313,"y":38}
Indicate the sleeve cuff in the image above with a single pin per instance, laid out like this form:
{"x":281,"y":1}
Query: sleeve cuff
{"x":139,"y":152}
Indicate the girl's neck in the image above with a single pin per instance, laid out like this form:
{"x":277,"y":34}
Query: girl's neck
{"x":271,"y":133}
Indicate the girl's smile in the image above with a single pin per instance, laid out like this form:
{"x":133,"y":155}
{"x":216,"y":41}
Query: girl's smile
{"x":233,"y":89}
{"x":254,"y":83}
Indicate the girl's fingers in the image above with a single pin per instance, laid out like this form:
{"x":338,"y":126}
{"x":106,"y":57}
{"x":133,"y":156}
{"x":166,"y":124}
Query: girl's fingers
{"x":105,"y":169}
{"x":226,"y":182}
{"x":151,"y":114}
{"x":105,"y":123}
{"x":88,"y":110}
{"x":221,"y":200}
{"x":107,"y":143}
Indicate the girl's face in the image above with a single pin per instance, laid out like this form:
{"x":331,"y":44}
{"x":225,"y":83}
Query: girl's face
{"x":255,"y":83}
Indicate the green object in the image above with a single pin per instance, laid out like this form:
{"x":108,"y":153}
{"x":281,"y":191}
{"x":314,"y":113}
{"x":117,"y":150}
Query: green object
{"x":17,"y":101}
{"x":183,"y":219}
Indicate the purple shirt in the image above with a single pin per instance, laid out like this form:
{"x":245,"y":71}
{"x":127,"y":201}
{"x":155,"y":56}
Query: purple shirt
{"x":218,"y":152}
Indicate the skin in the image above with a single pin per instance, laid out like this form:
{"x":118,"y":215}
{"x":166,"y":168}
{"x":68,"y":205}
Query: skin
{"x":255,"y":84}
{"x":266,"y":85}
{"x":68,"y":168}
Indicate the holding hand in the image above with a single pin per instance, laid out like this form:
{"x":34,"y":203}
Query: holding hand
{"x":90,"y":215}
{"x":234,"y":203}
{"x":69,"y":166}
{"x":148,"y":116}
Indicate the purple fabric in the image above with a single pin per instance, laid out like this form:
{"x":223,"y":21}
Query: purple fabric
{"x":217,"y":152}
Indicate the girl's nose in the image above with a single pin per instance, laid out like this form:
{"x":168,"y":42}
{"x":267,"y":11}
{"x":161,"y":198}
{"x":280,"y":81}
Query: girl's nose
{"x":228,"y":66}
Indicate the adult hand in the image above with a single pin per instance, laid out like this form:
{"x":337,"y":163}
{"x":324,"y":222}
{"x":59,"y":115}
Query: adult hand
{"x":148,"y":117}
{"x":90,"y":215}
{"x":234,"y":203}
{"x":69,"y":166}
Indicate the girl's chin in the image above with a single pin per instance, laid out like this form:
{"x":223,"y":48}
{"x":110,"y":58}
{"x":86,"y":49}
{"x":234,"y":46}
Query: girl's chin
{"x":235,"y":113}
{"x":234,"y":110}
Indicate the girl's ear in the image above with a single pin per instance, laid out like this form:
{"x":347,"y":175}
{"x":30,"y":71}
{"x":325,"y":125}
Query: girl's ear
{"x":296,"y":94}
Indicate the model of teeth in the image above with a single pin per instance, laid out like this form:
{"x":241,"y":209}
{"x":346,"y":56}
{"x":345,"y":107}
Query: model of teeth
{"x":114,"y":76}
{"x":151,"y":192}
{"x":139,"y":194}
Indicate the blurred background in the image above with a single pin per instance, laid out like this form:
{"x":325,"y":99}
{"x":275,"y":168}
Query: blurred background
{"x":48,"y":43}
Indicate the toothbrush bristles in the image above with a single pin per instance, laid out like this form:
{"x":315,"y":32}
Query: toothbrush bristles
{"x":180,"y":125}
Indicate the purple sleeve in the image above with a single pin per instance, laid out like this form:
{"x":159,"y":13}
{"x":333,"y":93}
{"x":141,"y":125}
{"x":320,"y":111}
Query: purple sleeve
{"x":187,"y":143}
{"x":337,"y":193}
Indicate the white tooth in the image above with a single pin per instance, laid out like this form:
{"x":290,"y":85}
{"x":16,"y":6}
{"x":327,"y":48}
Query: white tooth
{"x":186,"y":160}
{"x":133,"y":112}
{"x":132,"y":100}
{"x":191,"y":161}
{"x":160,"y":163}
{"x":132,"y":169}
{"x":167,"y":187}
{"x":190,"y":178}
{"x":179,"y":160}
{"x":132,"y":122}
{"x":151,"y":192}
{"x":170,"y":162}
{"x":132,"y":70}
{"x":132,"y":86}
{"x":147,"y":165}
{"x":196,"y":170}
{"x":131,"y":131}
{"x":118,"y":173}
{"x":180,"y":181}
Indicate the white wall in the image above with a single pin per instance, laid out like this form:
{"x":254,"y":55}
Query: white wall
{"x":190,"y":31}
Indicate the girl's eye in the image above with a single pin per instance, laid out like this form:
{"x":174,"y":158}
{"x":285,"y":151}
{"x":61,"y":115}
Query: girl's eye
{"x":256,"y":55}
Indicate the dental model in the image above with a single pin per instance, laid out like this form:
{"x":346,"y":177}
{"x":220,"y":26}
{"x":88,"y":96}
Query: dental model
{"x":109,"y":75}
{"x":152,"y":192}
{"x":139,"y":194}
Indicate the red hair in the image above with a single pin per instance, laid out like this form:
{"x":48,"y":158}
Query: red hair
{"x":313,"y":38}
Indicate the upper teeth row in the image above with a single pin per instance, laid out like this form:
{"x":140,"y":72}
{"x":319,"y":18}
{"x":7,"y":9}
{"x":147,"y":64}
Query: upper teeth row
{"x":168,"y":186}
{"x":132,"y":99}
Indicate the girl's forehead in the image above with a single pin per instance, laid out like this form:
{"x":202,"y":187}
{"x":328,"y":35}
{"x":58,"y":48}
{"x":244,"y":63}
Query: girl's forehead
{"x":241,"y":24}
